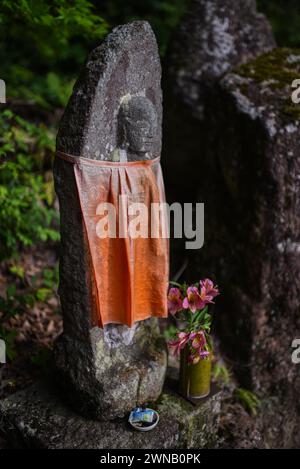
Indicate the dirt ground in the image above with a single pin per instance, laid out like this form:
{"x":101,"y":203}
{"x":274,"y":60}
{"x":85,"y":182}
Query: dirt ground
{"x":34,"y":328}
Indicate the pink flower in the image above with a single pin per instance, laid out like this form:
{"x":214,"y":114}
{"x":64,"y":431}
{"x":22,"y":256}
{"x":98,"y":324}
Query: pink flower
{"x":180,"y":342}
{"x":193,"y":301}
{"x":174,"y":300}
{"x":198,"y":340}
{"x":198,"y":343}
{"x":208,"y":291}
{"x":193,"y":359}
{"x":198,"y":355}
{"x":203,"y":354}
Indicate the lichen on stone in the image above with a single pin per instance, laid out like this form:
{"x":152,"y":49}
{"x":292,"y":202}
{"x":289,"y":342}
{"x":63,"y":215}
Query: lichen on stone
{"x":267,"y":81}
{"x":275,"y":66}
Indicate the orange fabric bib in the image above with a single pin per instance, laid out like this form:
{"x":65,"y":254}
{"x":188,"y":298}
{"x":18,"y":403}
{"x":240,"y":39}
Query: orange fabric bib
{"x":131,"y":273}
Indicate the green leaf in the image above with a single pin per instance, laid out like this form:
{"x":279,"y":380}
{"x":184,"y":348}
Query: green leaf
{"x":175,"y":284}
{"x":248,"y":399}
{"x":10,"y":291}
{"x":170,"y":332}
{"x":43,"y":294}
{"x":199,"y":315}
{"x":29,"y":300}
{"x":17,"y":270}
{"x":221,"y":373}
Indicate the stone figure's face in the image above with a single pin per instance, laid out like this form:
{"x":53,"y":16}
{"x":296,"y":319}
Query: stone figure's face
{"x":138,"y":125}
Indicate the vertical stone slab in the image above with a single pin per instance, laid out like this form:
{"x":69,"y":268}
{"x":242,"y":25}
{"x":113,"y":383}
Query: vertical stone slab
{"x":213,"y":37}
{"x":236,"y":150}
{"x":254,"y":227}
{"x":104,"y":382}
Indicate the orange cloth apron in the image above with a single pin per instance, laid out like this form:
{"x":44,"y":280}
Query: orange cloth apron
{"x":131,"y":273}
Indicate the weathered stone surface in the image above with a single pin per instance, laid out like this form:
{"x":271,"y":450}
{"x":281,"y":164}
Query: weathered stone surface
{"x":36,"y":418}
{"x":253,"y":232}
{"x":213,"y":37}
{"x":125,"y":64}
{"x":236,"y":149}
{"x":105,"y":382}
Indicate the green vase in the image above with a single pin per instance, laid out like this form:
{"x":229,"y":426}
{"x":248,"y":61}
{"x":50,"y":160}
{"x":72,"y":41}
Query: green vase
{"x":194,"y":380}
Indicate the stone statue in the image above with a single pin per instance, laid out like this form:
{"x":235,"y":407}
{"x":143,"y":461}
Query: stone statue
{"x":137,"y":127}
{"x":114,"y":114}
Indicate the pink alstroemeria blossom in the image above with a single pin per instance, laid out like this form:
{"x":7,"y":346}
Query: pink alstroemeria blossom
{"x":208,"y":291}
{"x":193,"y":301}
{"x":180,"y":342}
{"x":197,"y":356}
{"x":174,"y":300}
{"x":193,"y":359}
{"x":198,"y":340}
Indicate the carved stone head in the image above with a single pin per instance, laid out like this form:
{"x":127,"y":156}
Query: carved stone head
{"x":137,"y":123}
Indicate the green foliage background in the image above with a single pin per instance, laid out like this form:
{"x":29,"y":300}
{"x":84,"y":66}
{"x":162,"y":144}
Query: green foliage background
{"x":284,"y":16}
{"x":43,"y":43}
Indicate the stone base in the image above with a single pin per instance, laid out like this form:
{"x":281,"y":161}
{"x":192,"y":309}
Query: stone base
{"x":37,"y":418}
{"x":105,"y":383}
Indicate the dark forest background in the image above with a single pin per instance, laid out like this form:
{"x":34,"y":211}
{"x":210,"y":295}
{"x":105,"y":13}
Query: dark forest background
{"x":44,"y":43}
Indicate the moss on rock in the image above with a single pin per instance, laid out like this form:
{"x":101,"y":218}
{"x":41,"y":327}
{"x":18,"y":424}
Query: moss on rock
{"x":279,"y":67}
{"x":267,"y":82}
